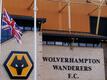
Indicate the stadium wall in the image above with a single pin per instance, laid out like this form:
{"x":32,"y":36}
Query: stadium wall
{"x":80,"y":17}
{"x":54,"y":53}
{"x":12,"y":45}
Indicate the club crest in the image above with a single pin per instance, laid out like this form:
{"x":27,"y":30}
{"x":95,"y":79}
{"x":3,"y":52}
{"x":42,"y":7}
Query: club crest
{"x":18,"y":65}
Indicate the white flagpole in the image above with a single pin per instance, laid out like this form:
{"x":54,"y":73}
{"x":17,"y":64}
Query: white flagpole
{"x":0,"y":33}
{"x":99,"y":14}
{"x":69,"y":16}
{"x":0,"y":23}
{"x":35,"y":41}
{"x":0,"y":18}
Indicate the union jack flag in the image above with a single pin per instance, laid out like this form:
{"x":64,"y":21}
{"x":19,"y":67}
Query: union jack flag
{"x":9,"y":24}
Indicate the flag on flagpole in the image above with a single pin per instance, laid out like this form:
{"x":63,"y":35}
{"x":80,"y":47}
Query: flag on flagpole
{"x":9,"y":24}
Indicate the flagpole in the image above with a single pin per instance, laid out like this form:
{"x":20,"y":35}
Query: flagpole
{"x":35,"y":41}
{"x":0,"y":20}
{"x":1,"y":75}
{"x":69,"y":16}
{"x":99,"y":14}
{"x":0,"y":32}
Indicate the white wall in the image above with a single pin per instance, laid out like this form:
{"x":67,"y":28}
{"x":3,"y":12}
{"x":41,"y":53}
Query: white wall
{"x":12,"y":45}
{"x":47,"y":71}
{"x":39,"y":53}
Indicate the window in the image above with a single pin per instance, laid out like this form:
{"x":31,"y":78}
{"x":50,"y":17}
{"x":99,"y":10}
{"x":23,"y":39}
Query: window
{"x":102,"y":25}
{"x":72,"y":44}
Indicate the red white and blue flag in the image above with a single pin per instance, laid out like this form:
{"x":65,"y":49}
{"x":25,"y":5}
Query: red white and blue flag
{"x":9,"y":24}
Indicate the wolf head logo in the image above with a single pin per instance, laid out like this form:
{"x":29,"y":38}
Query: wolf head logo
{"x":19,"y":65}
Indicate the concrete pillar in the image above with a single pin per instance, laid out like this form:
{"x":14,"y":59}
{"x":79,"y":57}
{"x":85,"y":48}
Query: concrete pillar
{"x":105,"y":57}
{"x":39,"y":54}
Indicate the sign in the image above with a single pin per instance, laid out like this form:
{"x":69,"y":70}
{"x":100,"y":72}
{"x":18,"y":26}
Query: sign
{"x":18,"y":65}
{"x":79,"y":63}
